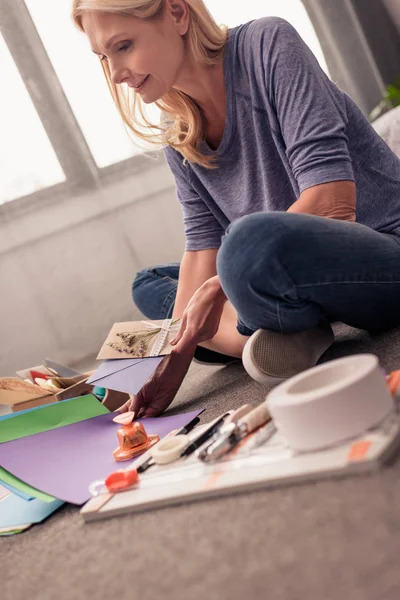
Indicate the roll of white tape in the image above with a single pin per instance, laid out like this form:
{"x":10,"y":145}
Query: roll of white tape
{"x":331,"y":403}
{"x":169,"y":449}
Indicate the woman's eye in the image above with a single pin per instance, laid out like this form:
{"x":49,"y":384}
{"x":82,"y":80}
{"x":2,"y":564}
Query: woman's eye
{"x":124,"y":47}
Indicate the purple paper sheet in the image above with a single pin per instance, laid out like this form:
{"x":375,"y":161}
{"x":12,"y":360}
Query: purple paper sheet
{"x":63,"y":462}
{"x":125,"y":374}
{"x":108,"y":367}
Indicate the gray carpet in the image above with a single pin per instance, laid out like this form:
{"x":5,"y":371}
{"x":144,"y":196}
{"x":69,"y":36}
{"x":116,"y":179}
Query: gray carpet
{"x":324,"y":541}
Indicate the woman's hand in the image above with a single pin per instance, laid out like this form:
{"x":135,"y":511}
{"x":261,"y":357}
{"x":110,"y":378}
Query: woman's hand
{"x":159,"y":391}
{"x":200,"y":322}
{"x":201,"y":318}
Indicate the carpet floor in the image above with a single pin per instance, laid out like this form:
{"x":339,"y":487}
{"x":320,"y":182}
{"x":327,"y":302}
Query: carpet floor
{"x":329,"y":540}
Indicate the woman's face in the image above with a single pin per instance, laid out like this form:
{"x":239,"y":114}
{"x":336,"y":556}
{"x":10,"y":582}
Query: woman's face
{"x":146,"y":55}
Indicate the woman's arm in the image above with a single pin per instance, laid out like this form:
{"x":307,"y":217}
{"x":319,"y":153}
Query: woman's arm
{"x":196,"y":268}
{"x":199,"y":287}
{"x":205,"y":314}
{"x":310,"y":115}
{"x":335,"y":200}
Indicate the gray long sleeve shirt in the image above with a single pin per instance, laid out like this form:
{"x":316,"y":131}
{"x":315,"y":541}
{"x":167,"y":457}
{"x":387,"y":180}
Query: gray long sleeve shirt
{"x":288,"y":128}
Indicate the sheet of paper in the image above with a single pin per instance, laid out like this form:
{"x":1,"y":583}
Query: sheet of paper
{"x":62,"y":370}
{"x":14,"y":484}
{"x":126,"y":375}
{"x":136,"y":339}
{"x":11,"y":531}
{"x":16,"y":512}
{"x":110,"y":367}
{"x":11,"y":415}
{"x":50,"y":416}
{"x":3,"y":491}
{"x":9,"y":479}
{"x":63,"y":462}
{"x":41,"y":418}
{"x":17,"y":491}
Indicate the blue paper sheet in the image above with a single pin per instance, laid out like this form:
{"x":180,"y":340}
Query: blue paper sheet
{"x":17,"y":492}
{"x":15,"y":511}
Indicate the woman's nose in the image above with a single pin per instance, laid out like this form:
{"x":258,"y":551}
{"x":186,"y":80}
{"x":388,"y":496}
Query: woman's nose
{"x":118,"y":75}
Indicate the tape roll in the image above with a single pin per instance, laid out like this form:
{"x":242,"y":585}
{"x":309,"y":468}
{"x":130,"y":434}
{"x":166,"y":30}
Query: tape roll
{"x":169,"y":449}
{"x":331,"y":403}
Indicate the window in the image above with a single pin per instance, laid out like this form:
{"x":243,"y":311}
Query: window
{"x":84,"y":132}
{"x":82,"y":79}
{"x":27,"y":160}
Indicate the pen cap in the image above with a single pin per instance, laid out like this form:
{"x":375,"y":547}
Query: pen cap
{"x":255,"y":418}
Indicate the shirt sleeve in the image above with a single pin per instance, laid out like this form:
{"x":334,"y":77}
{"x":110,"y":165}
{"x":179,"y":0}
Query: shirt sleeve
{"x":202,"y":230}
{"x":310,"y":111}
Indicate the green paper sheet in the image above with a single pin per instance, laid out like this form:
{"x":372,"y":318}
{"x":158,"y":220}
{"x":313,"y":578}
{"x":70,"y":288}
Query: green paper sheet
{"x":13,"y":531}
{"x":23,"y":487}
{"x":51,"y":416}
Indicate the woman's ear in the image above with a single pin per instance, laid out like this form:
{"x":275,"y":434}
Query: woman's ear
{"x":179,"y":12}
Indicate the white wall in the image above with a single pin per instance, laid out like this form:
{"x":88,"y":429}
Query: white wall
{"x":393,"y":7}
{"x":66,"y":268}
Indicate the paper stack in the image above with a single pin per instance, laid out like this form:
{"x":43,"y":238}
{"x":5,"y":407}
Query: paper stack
{"x":51,"y":454}
{"x":22,"y":504}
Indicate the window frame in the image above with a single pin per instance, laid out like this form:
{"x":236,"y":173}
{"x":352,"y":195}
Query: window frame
{"x":55,"y":113}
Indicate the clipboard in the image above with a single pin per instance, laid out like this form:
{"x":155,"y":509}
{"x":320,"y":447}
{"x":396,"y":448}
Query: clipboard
{"x":268,"y":466}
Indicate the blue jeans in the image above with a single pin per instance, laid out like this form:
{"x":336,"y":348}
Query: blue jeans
{"x":154,"y":290}
{"x":286,"y":272}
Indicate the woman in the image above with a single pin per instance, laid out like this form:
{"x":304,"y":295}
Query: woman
{"x":291,"y":201}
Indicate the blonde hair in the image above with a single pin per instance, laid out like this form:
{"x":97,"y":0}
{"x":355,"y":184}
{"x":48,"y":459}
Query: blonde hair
{"x":183,"y":126}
